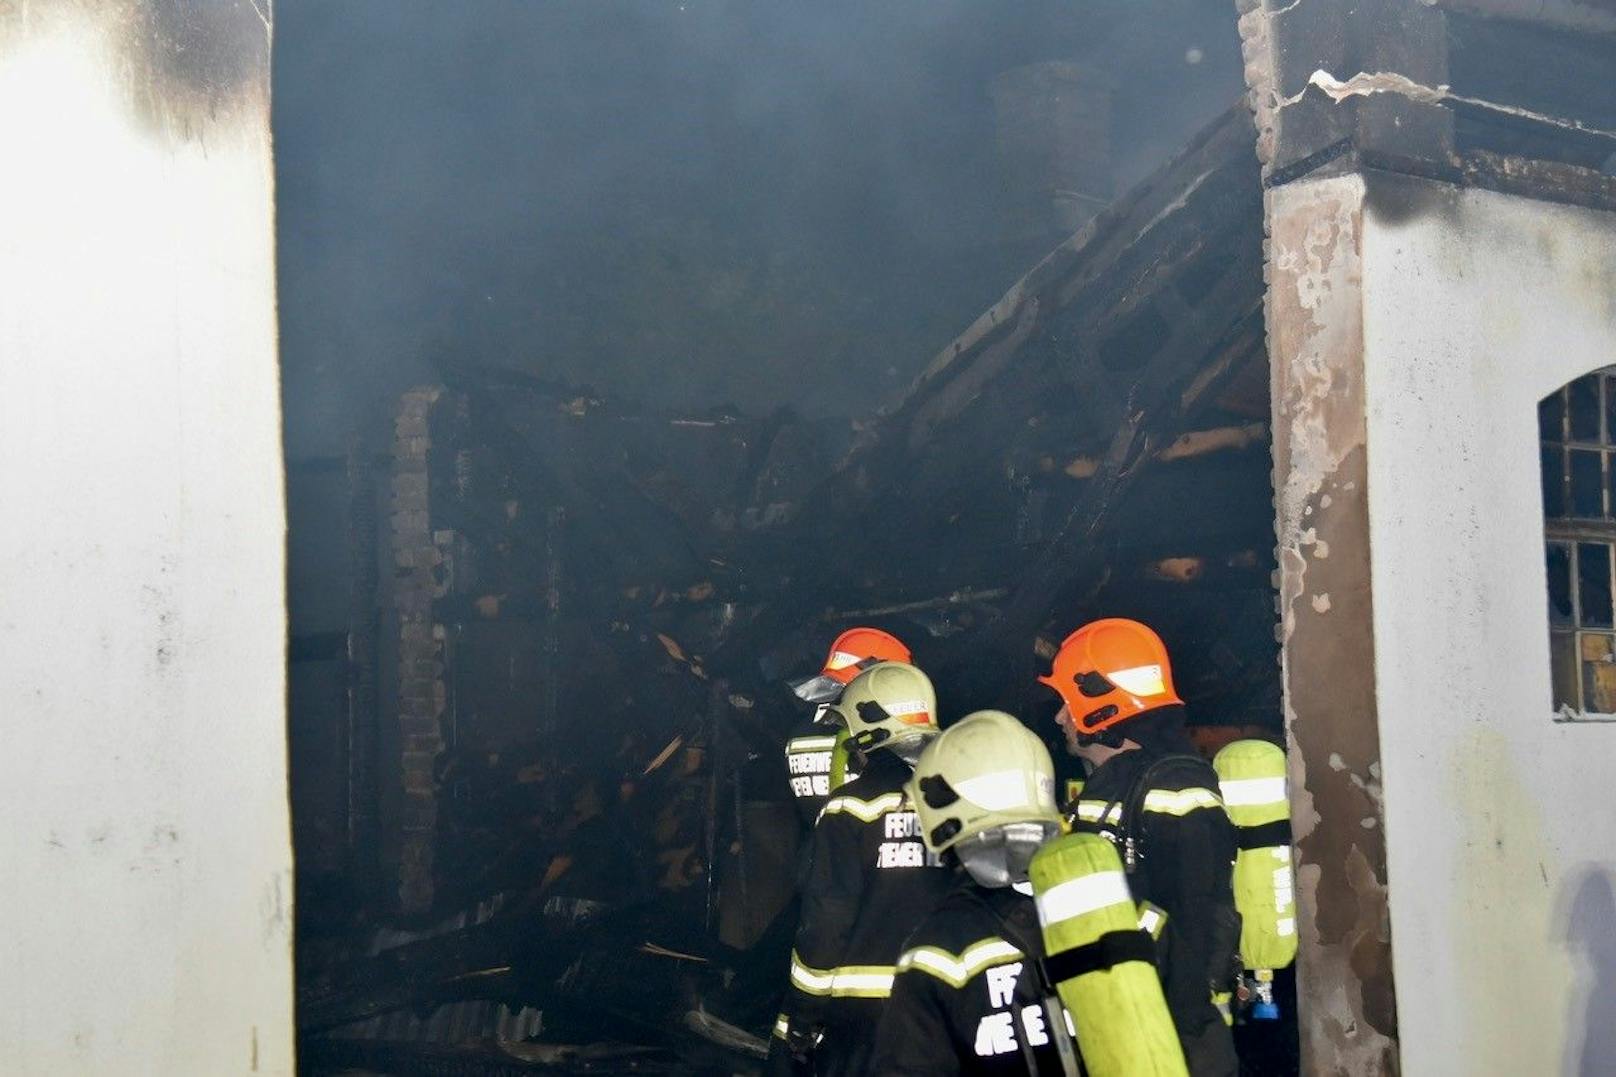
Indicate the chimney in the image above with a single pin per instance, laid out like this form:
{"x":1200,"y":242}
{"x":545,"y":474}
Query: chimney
{"x":1053,"y":123}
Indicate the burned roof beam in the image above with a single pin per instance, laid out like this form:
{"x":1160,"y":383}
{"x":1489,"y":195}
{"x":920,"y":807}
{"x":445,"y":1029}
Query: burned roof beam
{"x":1155,"y":414}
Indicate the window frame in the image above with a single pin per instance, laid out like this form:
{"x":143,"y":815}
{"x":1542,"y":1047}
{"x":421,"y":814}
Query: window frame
{"x":1571,"y":532}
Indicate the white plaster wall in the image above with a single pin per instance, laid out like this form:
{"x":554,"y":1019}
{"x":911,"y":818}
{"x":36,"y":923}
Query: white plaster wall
{"x":1501,"y":823}
{"x":145,"y":862}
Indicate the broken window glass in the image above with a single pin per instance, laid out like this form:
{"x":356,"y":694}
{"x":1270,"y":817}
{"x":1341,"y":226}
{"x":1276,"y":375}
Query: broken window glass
{"x":1598,"y":673}
{"x":1584,"y":408}
{"x":1553,"y":482}
{"x":1593,"y":584}
{"x":1560,"y":612}
{"x":1587,"y":484}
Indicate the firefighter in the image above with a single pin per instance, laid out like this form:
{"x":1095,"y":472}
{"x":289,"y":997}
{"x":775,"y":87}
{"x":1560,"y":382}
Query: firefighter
{"x":1156,"y":799}
{"x":817,"y":756}
{"x":969,"y":997}
{"x":869,"y":879}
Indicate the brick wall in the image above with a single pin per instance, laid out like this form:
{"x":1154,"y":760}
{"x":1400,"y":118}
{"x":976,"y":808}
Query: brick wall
{"x":421,"y":572}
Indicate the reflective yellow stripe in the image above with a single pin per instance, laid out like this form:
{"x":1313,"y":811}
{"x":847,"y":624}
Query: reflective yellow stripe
{"x":1251,"y":792}
{"x":1152,"y":919}
{"x":867,"y":810}
{"x":1085,"y":894}
{"x":956,"y":970}
{"x":1181,"y":801}
{"x":863,"y":981}
{"x":782,"y":1026}
{"x":1094,"y":811}
{"x":810,"y":980}
{"x":811,"y":744}
{"x":846,"y":981}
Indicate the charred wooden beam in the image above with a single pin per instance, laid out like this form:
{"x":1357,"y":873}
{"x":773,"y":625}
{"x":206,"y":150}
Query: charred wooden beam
{"x":1186,"y":446}
{"x":1161,"y":284}
{"x":1155,"y":414}
{"x":1242,"y":569}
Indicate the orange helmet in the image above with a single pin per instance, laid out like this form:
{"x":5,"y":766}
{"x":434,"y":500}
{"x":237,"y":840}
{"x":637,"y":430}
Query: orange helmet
{"x":854,"y":651}
{"x":1109,"y":671}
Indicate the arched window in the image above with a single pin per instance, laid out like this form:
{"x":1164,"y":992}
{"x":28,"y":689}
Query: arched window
{"x":1577,"y":428}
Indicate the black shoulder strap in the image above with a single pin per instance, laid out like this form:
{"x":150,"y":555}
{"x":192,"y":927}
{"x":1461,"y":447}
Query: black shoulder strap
{"x":1132,"y":834}
{"x":1046,"y":995}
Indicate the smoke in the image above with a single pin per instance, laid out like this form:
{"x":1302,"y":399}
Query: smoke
{"x":689,"y":203}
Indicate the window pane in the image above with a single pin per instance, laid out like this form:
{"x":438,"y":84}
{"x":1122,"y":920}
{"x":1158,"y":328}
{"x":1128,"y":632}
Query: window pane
{"x":1560,"y":585}
{"x":1550,"y":414}
{"x":1584,"y":407}
{"x":1610,"y":411}
{"x":1563,"y":663}
{"x":1553,"y":483}
{"x":1598,"y":674}
{"x":1587,"y":484}
{"x":1593,"y":584}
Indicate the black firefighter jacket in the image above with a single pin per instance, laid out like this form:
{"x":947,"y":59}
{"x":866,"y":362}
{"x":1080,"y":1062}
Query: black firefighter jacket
{"x":869,"y":882}
{"x":967,"y":999}
{"x":1185,"y":848}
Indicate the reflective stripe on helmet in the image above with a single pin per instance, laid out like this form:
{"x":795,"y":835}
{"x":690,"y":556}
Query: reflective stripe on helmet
{"x":1140,"y":680}
{"x":1001,"y":790}
{"x":867,"y":810}
{"x":956,"y":970}
{"x":1180,"y":801}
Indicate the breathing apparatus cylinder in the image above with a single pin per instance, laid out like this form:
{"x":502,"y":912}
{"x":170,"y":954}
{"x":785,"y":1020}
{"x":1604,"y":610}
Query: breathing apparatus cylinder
{"x":840,"y":772}
{"x":1101,"y":963}
{"x":1252,"y":776}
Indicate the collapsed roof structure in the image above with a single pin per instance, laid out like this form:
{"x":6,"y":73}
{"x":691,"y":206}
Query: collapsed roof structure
{"x":595,"y":609}
{"x":592,"y":607}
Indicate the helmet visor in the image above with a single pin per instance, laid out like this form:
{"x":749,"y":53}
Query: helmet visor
{"x":826,"y":717}
{"x":820,"y":688}
{"x":999,"y":857}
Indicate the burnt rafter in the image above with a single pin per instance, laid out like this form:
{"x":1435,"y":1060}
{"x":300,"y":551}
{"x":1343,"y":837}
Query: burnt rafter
{"x":1154,"y":415}
{"x":1114,"y":344}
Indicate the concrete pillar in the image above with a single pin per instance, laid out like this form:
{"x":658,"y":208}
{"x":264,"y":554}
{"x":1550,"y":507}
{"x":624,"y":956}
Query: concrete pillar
{"x":145,"y":857}
{"x":1326,"y":605}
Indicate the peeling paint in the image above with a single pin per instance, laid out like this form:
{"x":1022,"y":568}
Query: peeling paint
{"x":1315,"y":325}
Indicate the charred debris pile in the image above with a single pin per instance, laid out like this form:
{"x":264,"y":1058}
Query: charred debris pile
{"x":580,"y":851}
